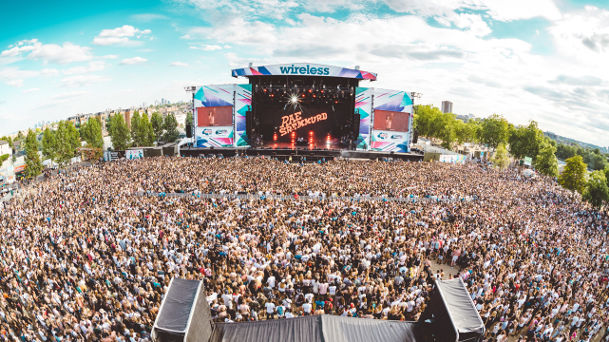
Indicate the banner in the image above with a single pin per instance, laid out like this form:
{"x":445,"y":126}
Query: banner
{"x":214,"y":107}
{"x":392,"y":121}
{"x":215,"y":136}
{"x":304,"y":69}
{"x":134,"y":154}
{"x":243,"y":104}
{"x":388,"y":141}
{"x":363,"y":107}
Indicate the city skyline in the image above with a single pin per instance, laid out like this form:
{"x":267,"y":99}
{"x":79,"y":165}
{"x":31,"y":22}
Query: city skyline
{"x":525,"y":60}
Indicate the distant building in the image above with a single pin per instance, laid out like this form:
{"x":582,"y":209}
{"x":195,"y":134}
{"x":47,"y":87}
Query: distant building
{"x":127,"y":115}
{"x":5,"y":148}
{"x":447,"y":107}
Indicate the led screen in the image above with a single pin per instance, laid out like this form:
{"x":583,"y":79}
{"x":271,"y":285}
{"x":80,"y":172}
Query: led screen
{"x":215,"y":116}
{"x":282,"y":124}
{"x":385,"y":120}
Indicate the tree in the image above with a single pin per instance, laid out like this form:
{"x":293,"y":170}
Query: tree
{"x":3,"y":158}
{"x":445,"y":129}
{"x":574,"y":174}
{"x":9,"y":140}
{"x":595,"y":159}
{"x":91,"y":132}
{"x":424,"y":119}
{"x":188,"y":125}
{"x":171,"y":129}
{"x":68,"y":141}
{"x":49,"y":144}
{"x":564,"y":151}
{"x":119,"y":133}
{"x":501,"y":158}
{"x":32,"y":158}
{"x":147,"y":131}
{"x":546,"y":162}
{"x":495,"y":131}
{"x":465,"y":131}
{"x":596,"y":191}
{"x":525,"y":141}
{"x":157,"y":125}
{"x":137,"y":129}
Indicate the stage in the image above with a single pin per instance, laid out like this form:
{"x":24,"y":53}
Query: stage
{"x":298,"y":154}
{"x":303,"y":109}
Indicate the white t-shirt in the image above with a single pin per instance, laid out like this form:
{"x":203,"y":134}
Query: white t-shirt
{"x":332,"y":290}
{"x":323,"y":288}
{"x":271,"y":282}
{"x":307,"y":307}
{"x":270,"y":307}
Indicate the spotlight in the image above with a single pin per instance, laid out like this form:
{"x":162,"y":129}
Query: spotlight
{"x":294,"y":99}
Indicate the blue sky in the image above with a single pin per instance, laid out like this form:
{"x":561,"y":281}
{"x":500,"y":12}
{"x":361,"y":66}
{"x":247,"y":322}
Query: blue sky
{"x":542,"y":60}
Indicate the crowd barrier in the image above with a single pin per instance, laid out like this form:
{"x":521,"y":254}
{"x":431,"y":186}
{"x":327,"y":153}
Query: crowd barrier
{"x":246,"y":196}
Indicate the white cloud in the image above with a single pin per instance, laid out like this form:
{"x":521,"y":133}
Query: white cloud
{"x":148,"y":17}
{"x":205,"y":47}
{"x":82,"y":80}
{"x":460,"y":62}
{"x":465,"y":21}
{"x":125,"y":35}
{"x":179,"y":64}
{"x":48,"y":53}
{"x":521,"y":9}
{"x":330,"y":6}
{"x":252,"y":9}
{"x":31,"y":90}
{"x":497,"y":9}
{"x":15,"y":77}
{"x":583,"y":35}
{"x":501,"y":10}
{"x":64,"y":98}
{"x":91,"y":67}
{"x":134,"y":60}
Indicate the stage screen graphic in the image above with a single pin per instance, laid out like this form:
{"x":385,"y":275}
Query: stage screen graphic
{"x":215,"y":116}
{"x":391,"y":121}
{"x":316,"y":125}
{"x":215,"y":136}
{"x":243,"y":106}
{"x":363,"y":107}
{"x":388,"y":141}
{"x":385,"y":120}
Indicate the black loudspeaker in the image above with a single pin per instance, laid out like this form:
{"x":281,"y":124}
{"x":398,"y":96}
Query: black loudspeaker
{"x":249,"y":119}
{"x":184,"y":314}
{"x":355,"y":125}
{"x":415,"y":136}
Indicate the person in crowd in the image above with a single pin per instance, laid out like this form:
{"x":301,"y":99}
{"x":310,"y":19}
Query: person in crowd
{"x":87,"y":254}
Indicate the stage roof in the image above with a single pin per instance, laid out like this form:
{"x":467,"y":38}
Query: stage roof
{"x":304,"y":69}
{"x":322,"y":328}
{"x":175,"y":309}
{"x":460,"y":307}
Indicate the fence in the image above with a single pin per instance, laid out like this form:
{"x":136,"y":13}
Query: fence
{"x":262,"y":197}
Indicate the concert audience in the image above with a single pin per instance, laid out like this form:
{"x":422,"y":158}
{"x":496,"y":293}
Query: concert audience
{"x":87,"y":255}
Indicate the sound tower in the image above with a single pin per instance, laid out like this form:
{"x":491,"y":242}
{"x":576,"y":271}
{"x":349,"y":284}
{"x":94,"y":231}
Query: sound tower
{"x":248,"y":124}
{"x":355,"y":125}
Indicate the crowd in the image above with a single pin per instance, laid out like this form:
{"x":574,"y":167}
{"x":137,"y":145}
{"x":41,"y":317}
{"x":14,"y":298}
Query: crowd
{"x":87,"y":255}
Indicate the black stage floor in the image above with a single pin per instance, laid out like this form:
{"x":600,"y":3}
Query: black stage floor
{"x":299,"y":154}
